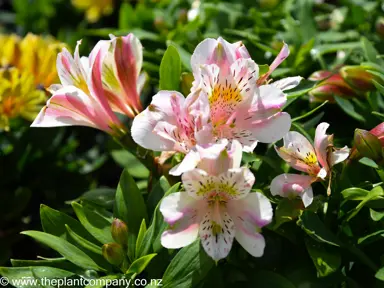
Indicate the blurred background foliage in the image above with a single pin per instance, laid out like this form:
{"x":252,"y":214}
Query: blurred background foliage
{"x":54,"y":166}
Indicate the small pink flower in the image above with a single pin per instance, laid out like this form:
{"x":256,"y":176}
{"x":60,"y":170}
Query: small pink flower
{"x":217,"y":208}
{"x":226,"y":102}
{"x":316,"y":162}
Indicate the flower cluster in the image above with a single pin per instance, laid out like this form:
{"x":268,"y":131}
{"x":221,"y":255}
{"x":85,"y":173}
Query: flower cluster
{"x":27,"y":66}
{"x":230,"y":108}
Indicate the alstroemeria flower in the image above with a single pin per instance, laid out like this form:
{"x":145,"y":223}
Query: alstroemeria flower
{"x":93,"y":88}
{"x":227,"y":101}
{"x":120,"y":72}
{"x":218,"y":209}
{"x":316,"y":162}
{"x":70,"y":105}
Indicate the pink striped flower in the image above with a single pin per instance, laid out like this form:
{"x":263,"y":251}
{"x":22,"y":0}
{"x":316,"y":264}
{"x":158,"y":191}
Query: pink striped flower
{"x":228,"y":100}
{"x":316,"y":162}
{"x":93,"y":88}
{"x":218,"y":207}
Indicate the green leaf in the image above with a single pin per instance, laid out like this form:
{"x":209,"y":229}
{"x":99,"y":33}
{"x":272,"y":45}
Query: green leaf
{"x":126,"y":16}
{"x":263,"y":69}
{"x":368,"y":162}
{"x":185,"y":56}
{"x":375,"y":193}
{"x":64,"y":248}
{"x":96,"y":224}
{"x":370,"y":52}
{"x":348,"y":108}
{"x":371,"y":237}
{"x":127,"y":160}
{"x":327,"y":259}
{"x":153,"y":234}
{"x":157,"y":193}
{"x":54,"y":222}
{"x":84,"y":242}
{"x":129,"y":205}
{"x":189,"y":267}
{"x":140,"y":264}
{"x":376,"y":215}
{"x":60,"y":263}
{"x":287,"y":210}
{"x":380,"y":274}
{"x":314,"y":227}
{"x":103,"y":197}
{"x":269,"y":279}
{"x":140,"y":237}
{"x":20,"y":276}
{"x":170,"y":70}
{"x":354,"y":193}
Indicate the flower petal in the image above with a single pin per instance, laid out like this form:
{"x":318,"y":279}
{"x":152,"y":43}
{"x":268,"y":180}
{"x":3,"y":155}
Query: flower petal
{"x":339,"y":155}
{"x":283,"y":54}
{"x":180,"y":211}
{"x":250,"y":214}
{"x":299,"y":153}
{"x":235,"y":183}
{"x":287,"y":83}
{"x":293,"y":185}
{"x":190,"y":161}
{"x":267,"y":101}
{"x":144,"y":124}
{"x":198,"y":183}
{"x":71,"y":106}
{"x":322,"y":141}
{"x":217,"y":233}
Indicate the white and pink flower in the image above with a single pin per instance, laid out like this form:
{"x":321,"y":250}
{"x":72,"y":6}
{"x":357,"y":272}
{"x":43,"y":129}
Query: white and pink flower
{"x":316,"y":162}
{"x":93,"y":88}
{"x":228,"y":100}
{"x":218,"y":207}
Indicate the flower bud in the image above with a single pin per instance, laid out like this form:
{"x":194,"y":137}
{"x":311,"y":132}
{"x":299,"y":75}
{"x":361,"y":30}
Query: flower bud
{"x":186,"y":82}
{"x":113,"y":253}
{"x":358,"y":78}
{"x":119,"y":232}
{"x":367,"y":144}
{"x":380,"y":27}
{"x":378,"y":131}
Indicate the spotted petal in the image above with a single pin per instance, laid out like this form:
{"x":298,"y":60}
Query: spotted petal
{"x":198,"y":183}
{"x":217,"y":232}
{"x":235,"y":183}
{"x":322,"y":141}
{"x":299,"y":153}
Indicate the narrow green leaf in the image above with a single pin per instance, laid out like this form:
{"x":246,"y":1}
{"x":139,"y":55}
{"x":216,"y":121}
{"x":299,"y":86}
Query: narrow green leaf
{"x":170,"y":70}
{"x":84,"y":242}
{"x":140,"y":264}
{"x":97,"y":225}
{"x":370,"y":52}
{"x":371,"y":237}
{"x":127,"y":160}
{"x":380,"y":274}
{"x":310,"y":112}
{"x":348,"y":108}
{"x":64,"y":248}
{"x":376,"y":215}
{"x":354,"y":193}
{"x":60,"y":263}
{"x":189,"y":267}
{"x":185,"y":56}
{"x":140,"y":237}
{"x":104,"y":197}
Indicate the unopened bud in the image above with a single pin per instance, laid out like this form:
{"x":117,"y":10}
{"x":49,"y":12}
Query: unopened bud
{"x":380,"y":27}
{"x":119,"y":232}
{"x":367,"y":144}
{"x":358,"y":78}
{"x":378,"y":131}
{"x":113,"y":253}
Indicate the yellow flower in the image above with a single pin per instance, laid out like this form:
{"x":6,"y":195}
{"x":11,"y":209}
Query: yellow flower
{"x":18,"y":96}
{"x":94,"y":9}
{"x":38,"y":57}
{"x":9,"y":51}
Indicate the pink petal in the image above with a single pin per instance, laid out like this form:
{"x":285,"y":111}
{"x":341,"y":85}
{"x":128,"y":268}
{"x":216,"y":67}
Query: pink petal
{"x":322,"y":141}
{"x":250,"y":214}
{"x":198,"y":183}
{"x":292,"y":185}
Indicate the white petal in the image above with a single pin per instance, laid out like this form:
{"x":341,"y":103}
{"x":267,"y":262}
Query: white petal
{"x":190,"y":161}
{"x":217,"y":234}
{"x":287,"y":83}
{"x":198,"y":183}
{"x":298,"y":152}
{"x":272,"y":129}
{"x":307,"y":196}
{"x":267,"y":101}
{"x":339,"y":155}
{"x":250,"y":214}
{"x":236,"y":183}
